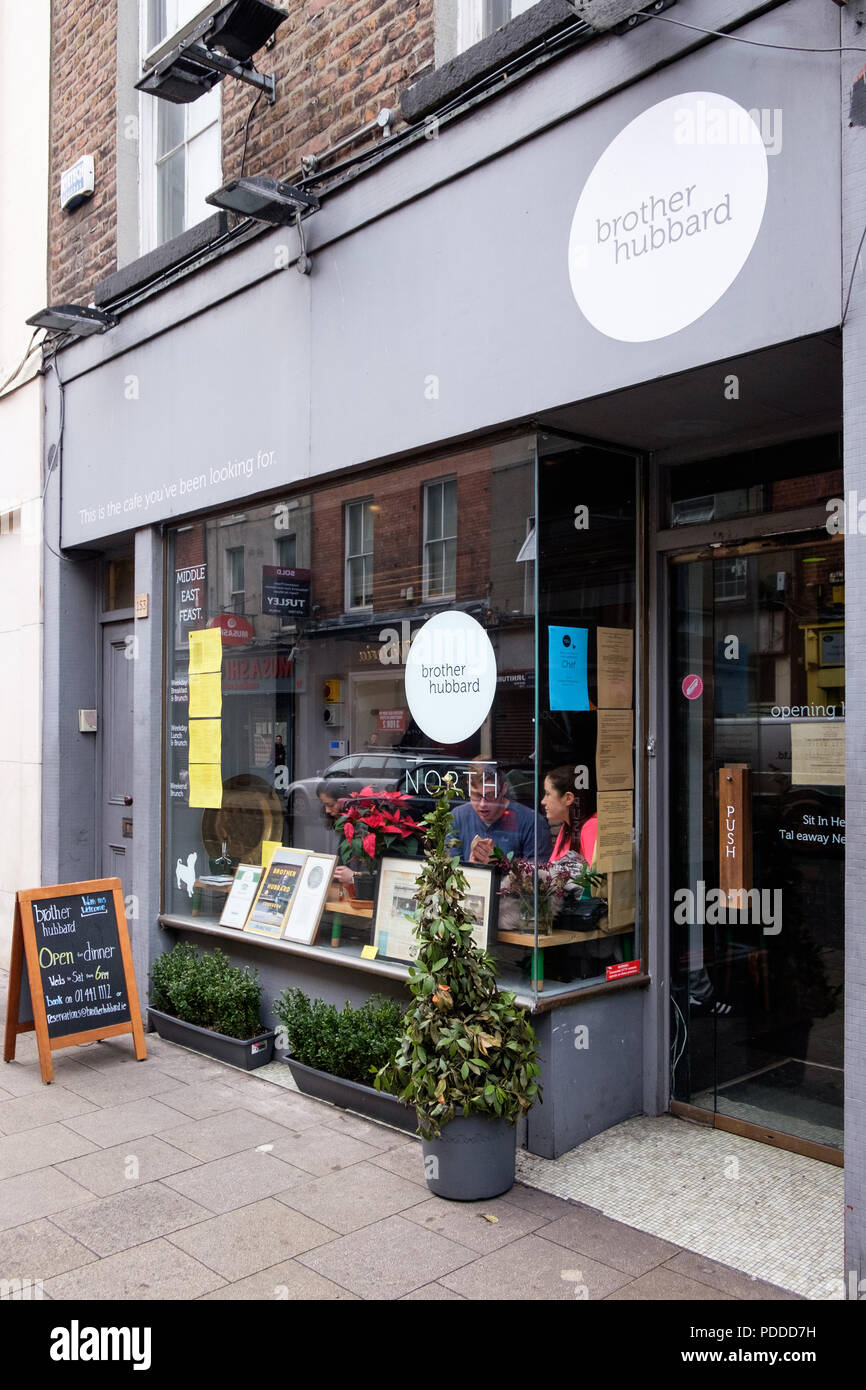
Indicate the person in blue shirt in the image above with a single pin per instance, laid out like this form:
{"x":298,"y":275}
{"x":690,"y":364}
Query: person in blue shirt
{"x":490,"y":819}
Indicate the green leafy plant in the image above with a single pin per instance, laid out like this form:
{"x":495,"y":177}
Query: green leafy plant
{"x":466,"y":1048}
{"x":351,"y":1043}
{"x":206,"y":989}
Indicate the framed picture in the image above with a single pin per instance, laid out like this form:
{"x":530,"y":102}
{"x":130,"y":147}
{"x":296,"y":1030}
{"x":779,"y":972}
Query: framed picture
{"x":393,"y":932}
{"x":309,"y":898}
{"x":240,"y":899}
{"x":275,"y":899}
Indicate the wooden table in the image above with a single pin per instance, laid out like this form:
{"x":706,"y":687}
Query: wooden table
{"x":349,"y":910}
{"x":557,"y":937}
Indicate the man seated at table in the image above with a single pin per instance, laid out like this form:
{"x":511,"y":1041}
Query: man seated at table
{"x":491,"y":819}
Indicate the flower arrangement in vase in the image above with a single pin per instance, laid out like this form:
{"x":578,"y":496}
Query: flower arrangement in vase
{"x":541,"y":888}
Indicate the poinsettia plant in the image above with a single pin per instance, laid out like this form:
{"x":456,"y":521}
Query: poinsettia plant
{"x":373,"y":823}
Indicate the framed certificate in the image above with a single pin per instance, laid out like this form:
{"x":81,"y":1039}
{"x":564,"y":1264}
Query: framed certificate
{"x":309,"y":898}
{"x":395,"y":900}
{"x":240,"y":899}
{"x":275,"y":899}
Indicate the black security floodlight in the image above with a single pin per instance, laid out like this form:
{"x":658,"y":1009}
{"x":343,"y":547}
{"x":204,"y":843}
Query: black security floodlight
{"x":602,"y":15}
{"x":73,"y":318}
{"x":265,"y":200}
{"x":221,"y":45}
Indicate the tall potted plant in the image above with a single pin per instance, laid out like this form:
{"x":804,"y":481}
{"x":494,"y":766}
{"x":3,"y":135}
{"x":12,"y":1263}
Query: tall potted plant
{"x":467,"y":1058}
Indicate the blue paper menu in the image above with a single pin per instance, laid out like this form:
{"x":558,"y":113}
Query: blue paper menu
{"x":567,"y":651}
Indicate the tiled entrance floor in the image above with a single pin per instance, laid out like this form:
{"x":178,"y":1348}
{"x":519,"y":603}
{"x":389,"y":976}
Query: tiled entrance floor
{"x":774,"y":1215}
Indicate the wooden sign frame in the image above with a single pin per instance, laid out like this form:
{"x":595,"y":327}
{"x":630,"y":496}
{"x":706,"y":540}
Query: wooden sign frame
{"x":24,"y":947}
{"x":735,"y":829}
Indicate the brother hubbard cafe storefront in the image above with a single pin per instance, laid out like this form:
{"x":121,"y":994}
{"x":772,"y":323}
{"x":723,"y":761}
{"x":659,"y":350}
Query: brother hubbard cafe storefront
{"x":536,"y":472}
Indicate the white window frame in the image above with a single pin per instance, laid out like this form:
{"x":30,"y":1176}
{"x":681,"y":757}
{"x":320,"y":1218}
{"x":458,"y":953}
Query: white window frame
{"x":361,"y":554}
{"x":472,"y":24}
{"x":436,"y":540}
{"x":148,"y":117}
{"x":233,"y":594}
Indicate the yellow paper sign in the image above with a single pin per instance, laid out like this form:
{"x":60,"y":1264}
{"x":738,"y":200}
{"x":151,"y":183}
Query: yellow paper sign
{"x":205,"y":741}
{"x":206,"y":785}
{"x":269,"y":849}
{"x":369,"y":952}
{"x":205,"y":695}
{"x":205,"y":650}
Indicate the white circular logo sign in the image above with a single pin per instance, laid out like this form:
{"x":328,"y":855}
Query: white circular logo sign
{"x":668,"y":216}
{"x":450,"y":677}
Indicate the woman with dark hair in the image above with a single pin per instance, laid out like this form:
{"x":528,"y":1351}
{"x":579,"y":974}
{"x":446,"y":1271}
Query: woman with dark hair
{"x":563,"y":808}
{"x":332,"y":795}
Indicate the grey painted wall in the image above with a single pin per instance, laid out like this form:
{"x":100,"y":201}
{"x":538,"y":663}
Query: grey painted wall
{"x":339,"y":369}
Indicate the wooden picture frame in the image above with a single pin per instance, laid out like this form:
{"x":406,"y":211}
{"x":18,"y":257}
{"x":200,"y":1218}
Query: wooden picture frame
{"x":275,"y":896}
{"x":395,"y":895}
{"x":308,"y":903}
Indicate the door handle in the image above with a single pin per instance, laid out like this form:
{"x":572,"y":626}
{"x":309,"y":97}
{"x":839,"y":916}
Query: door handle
{"x":127,"y":801}
{"x":651,"y":746}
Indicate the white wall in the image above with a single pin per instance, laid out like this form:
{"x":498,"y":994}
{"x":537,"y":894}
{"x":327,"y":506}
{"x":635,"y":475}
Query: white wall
{"x":24,"y":90}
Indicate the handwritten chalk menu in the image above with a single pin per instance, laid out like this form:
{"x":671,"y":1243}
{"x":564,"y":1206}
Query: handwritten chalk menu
{"x":71,"y":956}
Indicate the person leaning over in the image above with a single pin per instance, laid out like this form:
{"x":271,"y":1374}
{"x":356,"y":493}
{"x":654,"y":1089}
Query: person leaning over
{"x":491,"y":820}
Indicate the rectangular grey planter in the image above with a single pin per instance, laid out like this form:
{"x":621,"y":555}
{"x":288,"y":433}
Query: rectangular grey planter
{"x":349,"y":1095}
{"x":246,"y":1053}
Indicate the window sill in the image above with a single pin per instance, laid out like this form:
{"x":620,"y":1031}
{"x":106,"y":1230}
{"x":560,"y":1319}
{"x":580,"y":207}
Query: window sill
{"x":436,"y":88}
{"x":155,"y":264}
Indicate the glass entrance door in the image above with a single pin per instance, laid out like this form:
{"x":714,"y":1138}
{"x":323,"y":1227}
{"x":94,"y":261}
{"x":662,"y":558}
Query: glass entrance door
{"x":758,"y":834}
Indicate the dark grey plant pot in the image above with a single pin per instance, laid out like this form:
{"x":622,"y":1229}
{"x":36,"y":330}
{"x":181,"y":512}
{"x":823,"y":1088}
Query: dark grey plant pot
{"x":473,"y":1160}
{"x":349,"y":1095}
{"x":365,"y":886}
{"x":246,"y":1053}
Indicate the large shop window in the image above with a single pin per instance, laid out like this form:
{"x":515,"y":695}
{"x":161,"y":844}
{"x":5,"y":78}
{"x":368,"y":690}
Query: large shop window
{"x":341,"y":651}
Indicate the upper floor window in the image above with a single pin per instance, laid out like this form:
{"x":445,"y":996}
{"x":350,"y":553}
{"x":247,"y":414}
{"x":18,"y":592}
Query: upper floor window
{"x":359,"y":554}
{"x":180,"y":145}
{"x":440,"y":539}
{"x":235,"y":583}
{"x":478,"y":18}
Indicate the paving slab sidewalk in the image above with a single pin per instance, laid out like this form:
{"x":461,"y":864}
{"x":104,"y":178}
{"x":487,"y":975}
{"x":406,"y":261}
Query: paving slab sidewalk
{"x":182,"y":1178}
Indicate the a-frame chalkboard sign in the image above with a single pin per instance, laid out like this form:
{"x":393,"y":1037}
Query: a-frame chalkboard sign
{"x":71,"y":976}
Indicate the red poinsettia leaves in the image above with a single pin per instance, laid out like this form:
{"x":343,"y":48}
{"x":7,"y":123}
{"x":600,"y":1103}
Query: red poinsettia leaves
{"x":369,"y":846}
{"x":349,"y":830}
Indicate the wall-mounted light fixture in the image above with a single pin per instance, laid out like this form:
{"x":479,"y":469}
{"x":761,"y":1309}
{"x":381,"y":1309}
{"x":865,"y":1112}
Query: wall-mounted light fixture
{"x":265,"y":200}
{"x":73,"y":318}
{"x":221,"y":45}
{"x":602,"y":15}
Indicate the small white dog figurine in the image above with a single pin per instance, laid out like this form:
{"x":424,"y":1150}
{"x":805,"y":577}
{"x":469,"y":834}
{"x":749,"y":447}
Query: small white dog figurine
{"x":186,"y":875}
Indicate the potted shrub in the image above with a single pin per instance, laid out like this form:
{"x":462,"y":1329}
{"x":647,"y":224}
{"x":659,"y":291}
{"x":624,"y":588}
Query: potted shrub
{"x":204,"y":1002}
{"x":467,"y":1058}
{"x":372,"y":824}
{"x":334,"y":1053}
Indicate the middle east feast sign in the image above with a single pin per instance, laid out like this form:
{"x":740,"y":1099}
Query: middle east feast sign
{"x":668,"y":217}
{"x":450,"y":677}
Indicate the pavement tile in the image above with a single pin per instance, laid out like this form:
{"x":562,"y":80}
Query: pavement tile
{"x":538,"y":1202}
{"x":36,"y":1109}
{"x":731,"y":1281}
{"x":31,"y":1195}
{"x":22,"y":1077}
{"x":118,"y":1083}
{"x":590,"y":1233}
{"x":198,"y":1099}
{"x":221,"y":1135}
{"x":142,"y":1160}
{"x":430,"y":1292}
{"x":354,"y":1197}
{"x":253,"y":1238}
{"x":121,"y":1123}
{"x":533,"y":1268}
{"x":378,"y":1136}
{"x":387,"y":1260}
{"x":237,"y":1181}
{"x":39,"y":1250}
{"x":320,"y":1151}
{"x":158,"y":1270}
{"x":466,"y":1222}
{"x":190,"y":1066}
{"x":129,"y":1218}
{"x":277,"y":1103}
{"x":407,"y":1162}
{"x":663,"y":1284}
{"x":288,"y":1281}
{"x":30,"y":1149}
